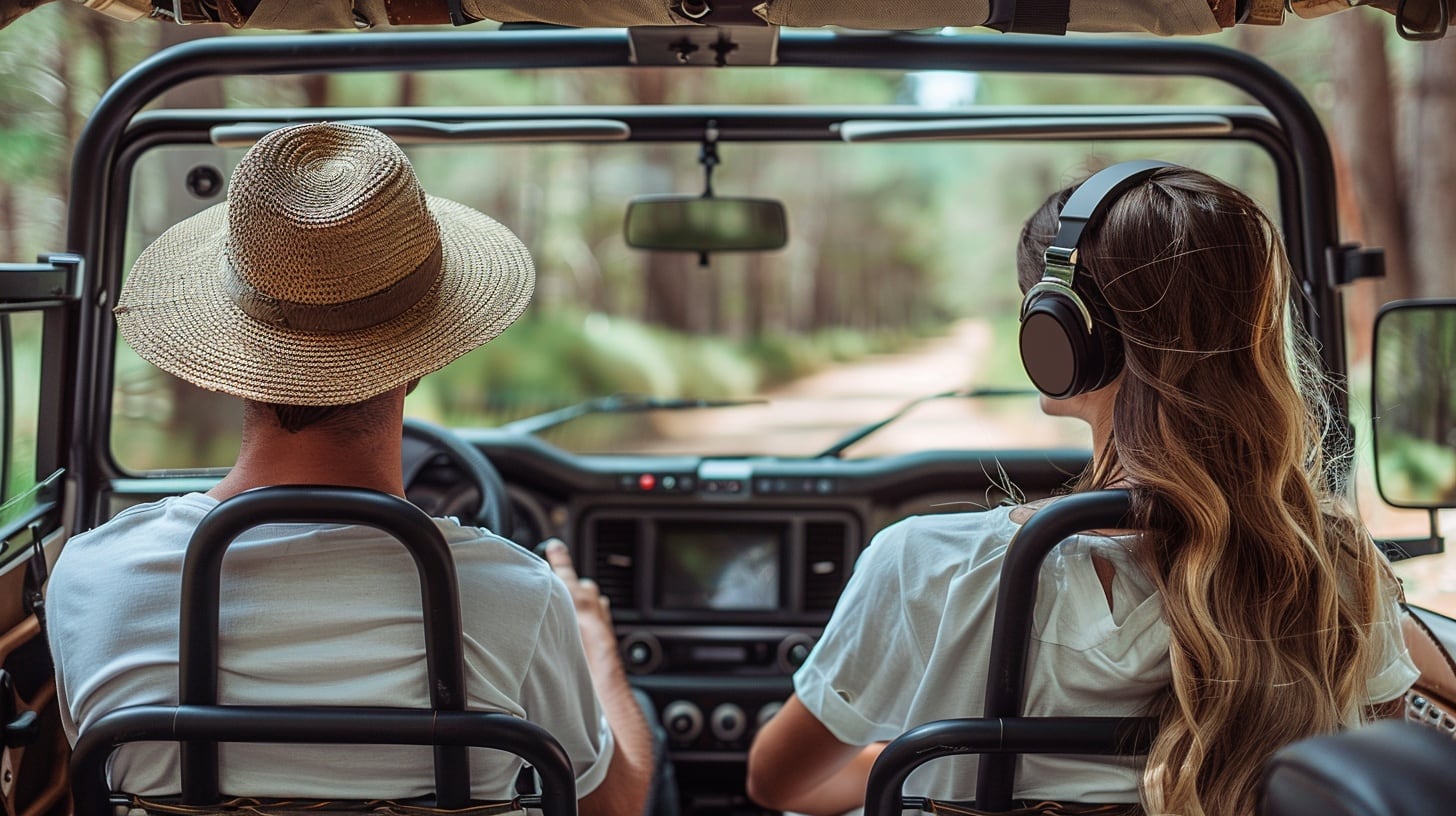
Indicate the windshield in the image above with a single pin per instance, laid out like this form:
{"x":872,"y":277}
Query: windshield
{"x":897,"y":283}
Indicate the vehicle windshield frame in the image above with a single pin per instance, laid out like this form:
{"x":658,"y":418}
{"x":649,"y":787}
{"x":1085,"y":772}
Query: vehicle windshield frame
{"x":119,"y":133}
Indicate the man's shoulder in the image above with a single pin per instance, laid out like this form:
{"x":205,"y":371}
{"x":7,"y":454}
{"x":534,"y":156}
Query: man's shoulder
{"x":477,"y":549}
{"x":149,"y":523}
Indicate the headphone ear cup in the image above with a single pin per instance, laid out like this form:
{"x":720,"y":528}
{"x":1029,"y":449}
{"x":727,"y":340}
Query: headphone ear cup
{"x":1053,"y":345}
{"x":1060,"y":357}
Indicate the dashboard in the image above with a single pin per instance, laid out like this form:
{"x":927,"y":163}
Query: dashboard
{"x":722,"y":573}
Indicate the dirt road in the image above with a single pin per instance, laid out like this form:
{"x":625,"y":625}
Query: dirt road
{"x":809,"y":414}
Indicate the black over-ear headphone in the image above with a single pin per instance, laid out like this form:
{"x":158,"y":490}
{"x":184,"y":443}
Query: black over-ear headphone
{"x":1065,"y":351}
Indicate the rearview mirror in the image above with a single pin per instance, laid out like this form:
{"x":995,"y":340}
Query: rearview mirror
{"x":681,"y":223}
{"x":1414,"y":398}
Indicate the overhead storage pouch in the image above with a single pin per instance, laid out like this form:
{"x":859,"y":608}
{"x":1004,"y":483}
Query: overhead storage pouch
{"x":1165,"y":17}
{"x":577,"y":12}
{"x":336,"y":14}
{"x":899,"y":15}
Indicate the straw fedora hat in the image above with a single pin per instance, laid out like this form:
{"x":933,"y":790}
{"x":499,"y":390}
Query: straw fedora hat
{"x":328,"y":277}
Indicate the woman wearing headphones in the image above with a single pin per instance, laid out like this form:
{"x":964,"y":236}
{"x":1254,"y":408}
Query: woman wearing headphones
{"x":1250,"y":610}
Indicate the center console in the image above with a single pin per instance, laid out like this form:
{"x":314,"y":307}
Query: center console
{"x":715,"y":611}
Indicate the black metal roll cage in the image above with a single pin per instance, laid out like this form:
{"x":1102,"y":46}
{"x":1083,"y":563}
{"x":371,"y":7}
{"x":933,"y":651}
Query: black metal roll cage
{"x":116,"y":135}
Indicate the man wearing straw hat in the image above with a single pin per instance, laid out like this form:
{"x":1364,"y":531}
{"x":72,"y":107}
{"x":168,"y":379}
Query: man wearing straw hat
{"x":326,"y":285}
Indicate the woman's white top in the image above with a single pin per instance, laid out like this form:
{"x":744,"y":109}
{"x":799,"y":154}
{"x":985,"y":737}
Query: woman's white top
{"x":910,"y":638}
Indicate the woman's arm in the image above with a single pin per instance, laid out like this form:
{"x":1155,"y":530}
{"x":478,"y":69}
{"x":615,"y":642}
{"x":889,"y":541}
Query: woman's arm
{"x":796,"y":764}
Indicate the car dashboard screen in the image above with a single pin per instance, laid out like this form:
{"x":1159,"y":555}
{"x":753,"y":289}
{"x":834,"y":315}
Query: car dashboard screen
{"x":727,"y":568}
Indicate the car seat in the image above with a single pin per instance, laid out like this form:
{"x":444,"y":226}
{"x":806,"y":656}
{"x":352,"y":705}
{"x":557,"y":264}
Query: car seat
{"x":1001,"y":733}
{"x":199,"y":722}
{"x":1390,"y":768}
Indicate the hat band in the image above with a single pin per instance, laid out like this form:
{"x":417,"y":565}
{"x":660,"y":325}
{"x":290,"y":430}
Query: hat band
{"x":350,"y":315}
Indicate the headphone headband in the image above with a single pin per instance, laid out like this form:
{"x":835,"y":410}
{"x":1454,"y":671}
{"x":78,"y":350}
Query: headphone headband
{"x":1102,"y":188}
{"x":1063,"y":349}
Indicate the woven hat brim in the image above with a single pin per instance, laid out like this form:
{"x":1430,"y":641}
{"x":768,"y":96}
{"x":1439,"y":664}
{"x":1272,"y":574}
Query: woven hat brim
{"x":175,"y":312}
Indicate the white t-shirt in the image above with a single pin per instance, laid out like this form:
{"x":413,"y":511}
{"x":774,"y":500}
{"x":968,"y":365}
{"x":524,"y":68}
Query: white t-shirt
{"x":316,"y":615}
{"x":910,"y":639}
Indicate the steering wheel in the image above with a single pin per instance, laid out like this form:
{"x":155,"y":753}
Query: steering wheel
{"x":434,"y":486}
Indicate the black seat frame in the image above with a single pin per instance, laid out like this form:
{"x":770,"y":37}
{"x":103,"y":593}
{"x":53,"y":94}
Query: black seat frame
{"x":200,"y":723}
{"x":1001,"y":733}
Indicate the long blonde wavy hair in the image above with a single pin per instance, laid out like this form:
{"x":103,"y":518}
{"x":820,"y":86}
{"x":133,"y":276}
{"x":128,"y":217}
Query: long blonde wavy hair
{"x":1269,"y":581}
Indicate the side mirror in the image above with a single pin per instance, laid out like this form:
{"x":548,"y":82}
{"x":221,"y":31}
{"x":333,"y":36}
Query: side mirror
{"x":1414,"y":403}
{"x":689,"y":223}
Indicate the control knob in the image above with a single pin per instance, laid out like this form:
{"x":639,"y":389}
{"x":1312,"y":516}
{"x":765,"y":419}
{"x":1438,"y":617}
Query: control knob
{"x":641,"y":653}
{"x":683,"y":721}
{"x":767,"y":712}
{"x":728,"y":722}
{"x":793,"y":651}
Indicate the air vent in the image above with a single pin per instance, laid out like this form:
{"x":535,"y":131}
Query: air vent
{"x":824,"y":565}
{"x":616,"y":560}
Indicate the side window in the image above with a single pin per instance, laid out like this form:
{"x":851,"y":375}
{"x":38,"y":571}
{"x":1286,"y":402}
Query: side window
{"x":20,"y":364}
{"x":35,"y":380}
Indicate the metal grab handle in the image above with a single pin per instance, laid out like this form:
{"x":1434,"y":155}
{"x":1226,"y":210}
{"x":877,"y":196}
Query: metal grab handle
{"x":318,"y":725}
{"x":201,"y":579}
{"x":998,"y":737}
{"x":1015,"y":601}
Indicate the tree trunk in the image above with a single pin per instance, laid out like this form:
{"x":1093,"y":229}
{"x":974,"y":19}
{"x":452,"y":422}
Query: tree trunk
{"x":102,"y":30}
{"x":62,"y":63}
{"x":199,"y":418}
{"x":1364,"y":133}
{"x":315,"y":90}
{"x":758,"y":298}
{"x":9,"y":230}
{"x":408,"y":91}
{"x":1432,"y":165}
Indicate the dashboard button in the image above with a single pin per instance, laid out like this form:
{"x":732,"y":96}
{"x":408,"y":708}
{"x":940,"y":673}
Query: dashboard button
{"x":683,"y":721}
{"x":641,"y":653}
{"x":728,"y":722}
{"x":793,"y":651}
{"x":767,"y":713}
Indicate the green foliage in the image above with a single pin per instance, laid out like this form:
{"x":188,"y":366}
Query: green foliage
{"x":1417,"y":471}
{"x":547,"y":361}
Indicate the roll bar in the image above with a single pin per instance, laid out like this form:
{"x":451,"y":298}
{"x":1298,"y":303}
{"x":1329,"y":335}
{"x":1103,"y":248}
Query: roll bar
{"x":1001,"y":733}
{"x":336,"y":725}
{"x":198,"y":627}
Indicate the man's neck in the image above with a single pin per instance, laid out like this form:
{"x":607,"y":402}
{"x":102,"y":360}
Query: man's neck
{"x":272,"y":456}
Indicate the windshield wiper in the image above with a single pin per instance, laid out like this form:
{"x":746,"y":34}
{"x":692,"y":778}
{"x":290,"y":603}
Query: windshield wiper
{"x":617,"y":404}
{"x":838,"y":448}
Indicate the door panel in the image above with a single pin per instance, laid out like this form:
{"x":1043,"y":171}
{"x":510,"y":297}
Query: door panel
{"x":37,"y":361}
{"x":32,"y":777}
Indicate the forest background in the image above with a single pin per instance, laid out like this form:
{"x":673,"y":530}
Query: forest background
{"x":1389,"y":107}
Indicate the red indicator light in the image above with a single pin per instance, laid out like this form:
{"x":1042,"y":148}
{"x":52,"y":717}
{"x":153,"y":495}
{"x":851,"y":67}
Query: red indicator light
{"x":647,"y":481}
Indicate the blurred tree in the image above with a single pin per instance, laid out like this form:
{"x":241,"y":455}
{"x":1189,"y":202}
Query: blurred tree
{"x":199,"y":419}
{"x":669,"y":296}
{"x":1393,"y":131}
{"x":1431,"y":166}
{"x":1365,"y":133}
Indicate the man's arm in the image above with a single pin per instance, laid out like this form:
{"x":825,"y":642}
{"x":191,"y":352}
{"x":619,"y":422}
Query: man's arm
{"x":629,"y":774}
